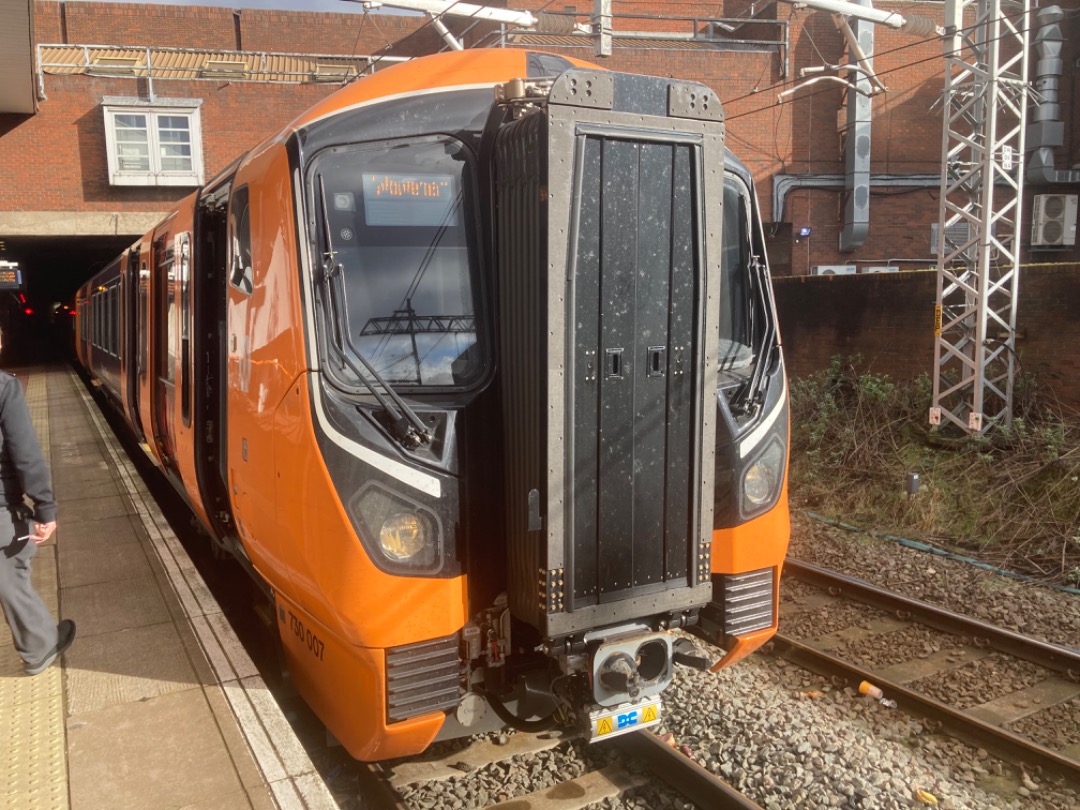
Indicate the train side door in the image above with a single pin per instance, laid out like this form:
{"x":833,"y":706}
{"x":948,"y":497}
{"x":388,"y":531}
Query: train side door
{"x":133,"y":329}
{"x":208,"y":330}
{"x":144,"y":316}
{"x":165,"y":301}
{"x":241,"y":410}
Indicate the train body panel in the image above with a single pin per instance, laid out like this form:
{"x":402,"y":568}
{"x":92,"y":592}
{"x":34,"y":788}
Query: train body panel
{"x":480,"y":68}
{"x":265,"y":351}
{"x":748,"y":546}
{"x":334,"y":578}
{"x":440,"y":365}
{"x":321,"y":664}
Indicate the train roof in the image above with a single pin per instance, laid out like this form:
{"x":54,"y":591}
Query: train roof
{"x":478,"y":68}
{"x":426,"y":79}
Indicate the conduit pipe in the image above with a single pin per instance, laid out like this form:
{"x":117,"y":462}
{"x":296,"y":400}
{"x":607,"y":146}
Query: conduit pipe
{"x":1047,"y":130}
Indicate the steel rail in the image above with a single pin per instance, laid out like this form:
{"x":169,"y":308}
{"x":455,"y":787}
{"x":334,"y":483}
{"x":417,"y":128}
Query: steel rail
{"x":1051,"y":656}
{"x":375,"y":790}
{"x":699,"y":785}
{"x":999,"y":741}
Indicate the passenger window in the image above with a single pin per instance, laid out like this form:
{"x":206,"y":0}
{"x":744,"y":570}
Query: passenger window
{"x":240,"y":274}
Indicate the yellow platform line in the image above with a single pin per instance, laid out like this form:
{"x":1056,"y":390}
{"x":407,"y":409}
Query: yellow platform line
{"x":33,"y":752}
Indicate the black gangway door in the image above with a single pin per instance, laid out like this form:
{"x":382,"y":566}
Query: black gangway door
{"x":608,"y":229}
{"x":635,"y":285}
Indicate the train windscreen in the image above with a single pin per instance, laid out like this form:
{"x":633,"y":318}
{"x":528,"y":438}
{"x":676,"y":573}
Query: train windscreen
{"x":397,"y":216}
{"x":738,"y":304}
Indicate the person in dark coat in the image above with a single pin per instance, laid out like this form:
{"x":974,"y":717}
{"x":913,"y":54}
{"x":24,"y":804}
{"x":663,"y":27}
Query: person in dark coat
{"x":24,"y":475}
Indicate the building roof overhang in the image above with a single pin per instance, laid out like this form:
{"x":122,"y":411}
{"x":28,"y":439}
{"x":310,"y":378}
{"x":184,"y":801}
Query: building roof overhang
{"x":17,"y":57}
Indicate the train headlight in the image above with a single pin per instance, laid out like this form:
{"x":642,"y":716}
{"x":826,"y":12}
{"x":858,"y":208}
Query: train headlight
{"x":406,"y":535}
{"x":402,"y":536}
{"x":761,"y":481}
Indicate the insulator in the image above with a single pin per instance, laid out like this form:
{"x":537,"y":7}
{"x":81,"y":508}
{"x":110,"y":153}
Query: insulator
{"x":919,"y":25}
{"x":548,"y":23}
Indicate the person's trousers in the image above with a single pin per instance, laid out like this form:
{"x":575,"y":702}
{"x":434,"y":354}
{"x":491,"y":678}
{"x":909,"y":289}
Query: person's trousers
{"x":33,"y":628}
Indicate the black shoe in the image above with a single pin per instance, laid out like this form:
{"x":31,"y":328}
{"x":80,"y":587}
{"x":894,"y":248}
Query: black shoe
{"x":65,"y":635}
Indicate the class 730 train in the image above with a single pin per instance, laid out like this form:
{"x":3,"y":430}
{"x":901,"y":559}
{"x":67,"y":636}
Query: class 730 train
{"x":475,"y":368}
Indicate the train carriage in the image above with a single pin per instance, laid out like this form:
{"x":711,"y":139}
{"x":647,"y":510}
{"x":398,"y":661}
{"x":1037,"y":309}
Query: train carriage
{"x":475,"y":368}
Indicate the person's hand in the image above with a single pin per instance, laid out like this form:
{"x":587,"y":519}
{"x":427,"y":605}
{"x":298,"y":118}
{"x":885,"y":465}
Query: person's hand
{"x":43,"y":531}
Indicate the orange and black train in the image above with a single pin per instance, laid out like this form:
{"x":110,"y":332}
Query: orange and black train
{"x":475,"y":368}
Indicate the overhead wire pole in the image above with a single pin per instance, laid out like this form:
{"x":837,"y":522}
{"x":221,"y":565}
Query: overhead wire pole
{"x":982,"y":172}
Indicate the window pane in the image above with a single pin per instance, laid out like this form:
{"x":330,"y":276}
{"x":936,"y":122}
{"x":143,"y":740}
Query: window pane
{"x":175,"y":150}
{"x":174,"y":136}
{"x":241,"y":274}
{"x":131,"y":121}
{"x":153,"y":143}
{"x":399,"y":230}
{"x":173,"y":122}
{"x":132,"y":147}
{"x":176,"y":164}
{"x":133,"y":157}
{"x":736,"y":295}
{"x":131,"y":136}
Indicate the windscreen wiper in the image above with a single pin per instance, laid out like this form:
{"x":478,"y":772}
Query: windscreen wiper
{"x":406,"y":425}
{"x":764,"y":353}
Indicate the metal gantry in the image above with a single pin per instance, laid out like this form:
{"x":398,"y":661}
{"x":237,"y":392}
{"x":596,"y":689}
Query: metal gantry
{"x":979,"y":224}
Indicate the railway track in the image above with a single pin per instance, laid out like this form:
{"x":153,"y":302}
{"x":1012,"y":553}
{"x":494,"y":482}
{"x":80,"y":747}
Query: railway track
{"x":381,"y":786}
{"x":406,"y":785}
{"x":948,"y":668}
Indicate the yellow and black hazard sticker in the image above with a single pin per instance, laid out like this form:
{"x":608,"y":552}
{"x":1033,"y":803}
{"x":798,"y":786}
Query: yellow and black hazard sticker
{"x":611,"y":722}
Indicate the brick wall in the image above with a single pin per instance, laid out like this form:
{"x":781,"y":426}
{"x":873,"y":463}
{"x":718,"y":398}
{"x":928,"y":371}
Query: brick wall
{"x":888,"y":319}
{"x":56,"y":160}
{"x":60,"y":159}
{"x":804,"y":135}
{"x":53,"y":159}
{"x":219,"y":28}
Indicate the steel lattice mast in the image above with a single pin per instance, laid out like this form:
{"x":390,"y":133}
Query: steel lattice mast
{"x":981,"y":188}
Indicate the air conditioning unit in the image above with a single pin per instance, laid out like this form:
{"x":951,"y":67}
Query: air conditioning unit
{"x":1053,"y":220}
{"x":881,"y":269}
{"x":955,"y":235}
{"x":833,"y":270}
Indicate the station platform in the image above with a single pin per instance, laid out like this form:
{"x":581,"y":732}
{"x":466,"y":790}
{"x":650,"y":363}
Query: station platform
{"x":156,"y":705}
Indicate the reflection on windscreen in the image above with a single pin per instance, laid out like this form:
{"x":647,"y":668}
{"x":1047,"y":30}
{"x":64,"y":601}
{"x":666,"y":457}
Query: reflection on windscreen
{"x":736,"y":301}
{"x":397,"y":226}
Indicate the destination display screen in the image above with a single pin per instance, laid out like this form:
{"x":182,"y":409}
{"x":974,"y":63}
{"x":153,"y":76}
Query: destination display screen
{"x":11,"y":277}
{"x":424,"y":200}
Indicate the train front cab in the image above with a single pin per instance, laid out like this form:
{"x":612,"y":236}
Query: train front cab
{"x":752,"y":522}
{"x":396,"y":567}
{"x":366,"y":611}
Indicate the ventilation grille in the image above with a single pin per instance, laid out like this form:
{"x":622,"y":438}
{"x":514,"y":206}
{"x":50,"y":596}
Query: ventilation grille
{"x":743,"y":602}
{"x":422,"y":678}
{"x":1053,"y":221}
{"x":956,"y":234}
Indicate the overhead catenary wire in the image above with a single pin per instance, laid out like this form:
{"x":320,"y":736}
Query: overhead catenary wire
{"x":430,"y":23}
{"x":890,"y":71}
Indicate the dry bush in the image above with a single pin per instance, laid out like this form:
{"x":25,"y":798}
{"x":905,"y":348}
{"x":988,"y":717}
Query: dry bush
{"x":1012,"y":497}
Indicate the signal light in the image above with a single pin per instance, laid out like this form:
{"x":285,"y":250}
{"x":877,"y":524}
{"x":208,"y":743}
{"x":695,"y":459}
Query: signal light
{"x":28,"y":311}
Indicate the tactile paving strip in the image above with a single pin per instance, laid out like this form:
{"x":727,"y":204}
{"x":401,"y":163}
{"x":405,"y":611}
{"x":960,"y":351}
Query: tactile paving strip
{"x":33,"y":769}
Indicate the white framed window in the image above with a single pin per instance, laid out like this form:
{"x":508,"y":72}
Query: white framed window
{"x":154,"y":144}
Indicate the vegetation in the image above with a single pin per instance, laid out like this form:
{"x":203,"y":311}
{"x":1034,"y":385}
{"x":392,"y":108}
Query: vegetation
{"x":1011,"y":499}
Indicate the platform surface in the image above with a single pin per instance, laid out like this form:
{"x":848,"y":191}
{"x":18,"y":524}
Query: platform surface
{"x":156,"y":705}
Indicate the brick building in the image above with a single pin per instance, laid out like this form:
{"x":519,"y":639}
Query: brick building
{"x":221,"y":80}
